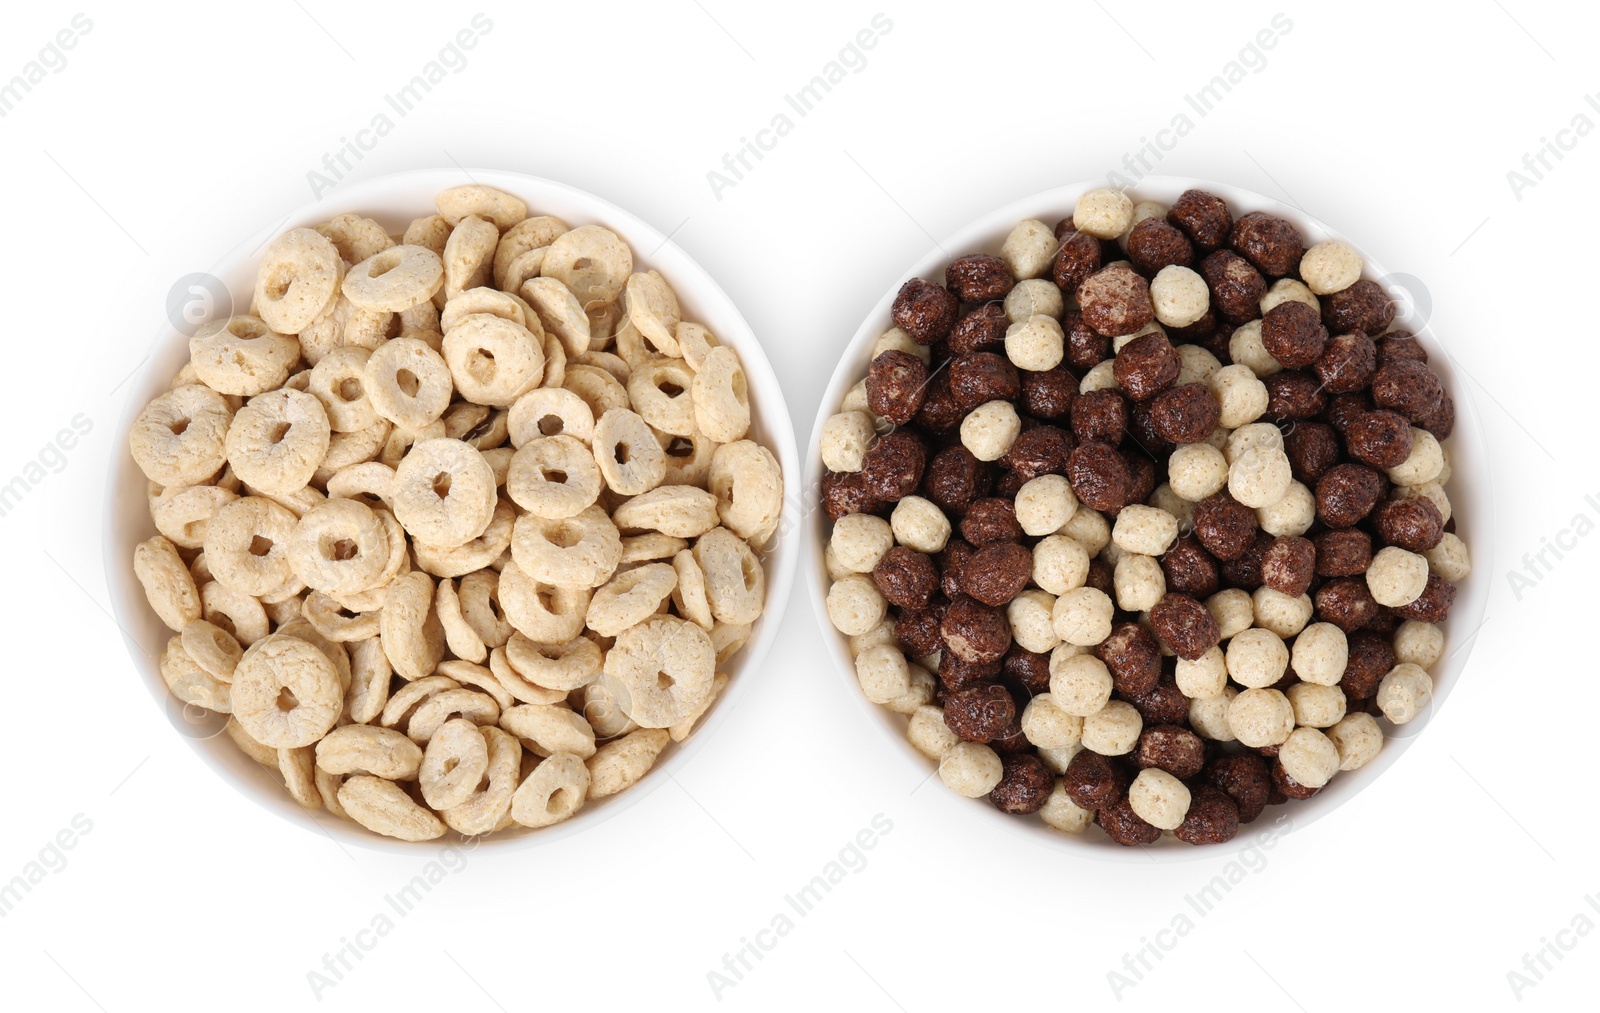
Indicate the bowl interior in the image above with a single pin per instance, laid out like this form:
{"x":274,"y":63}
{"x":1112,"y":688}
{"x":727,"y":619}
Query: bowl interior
{"x":394,"y":201}
{"x":1469,"y":491}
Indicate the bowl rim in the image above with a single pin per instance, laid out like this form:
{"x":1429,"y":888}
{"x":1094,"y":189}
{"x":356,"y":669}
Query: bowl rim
{"x":984,"y":234}
{"x":402,"y":196}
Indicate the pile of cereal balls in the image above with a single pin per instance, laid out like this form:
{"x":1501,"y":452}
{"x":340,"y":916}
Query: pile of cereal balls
{"x":1142,"y":521}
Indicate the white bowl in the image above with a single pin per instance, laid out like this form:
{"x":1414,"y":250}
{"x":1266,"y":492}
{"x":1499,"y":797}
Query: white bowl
{"x":1469,"y":490}
{"x":394,"y":201}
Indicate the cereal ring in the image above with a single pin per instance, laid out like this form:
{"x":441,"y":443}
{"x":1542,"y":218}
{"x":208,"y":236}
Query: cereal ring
{"x":622,"y":762}
{"x":247,"y":545}
{"x":369,"y":482}
{"x":408,"y":383}
{"x":518,"y":687}
{"x":250,"y":747}
{"x":411,"y":696}
{"x":649,"y":547}
{"x":492,"y":360}
{"x":550,"y":411}
{"x":546,"y":730}
{"x":168,"y":585}
{"x":479,"y":708}
{"x":413,"y":640}
{"x":459,"y":635}
{"x":181,"y":513}
{"x":688,"y":458}
{"x":540,"y":611}
{"x":530,"y":236}
{"x":469,"y":255}
{"x":346,"y":449}
{"x":384,"y":808}
{"x":300,"y":272}
{"x":599,"y":389}
{"x":660,"y":390}
{"x":628,"y":452}
{"x":695,"y":342}
{"x":189,"y":682}
{"x":629,"y":598}
{"x":298,"y":769}
{"x":365,"y":749}
{"x":736,"y":585}
{"x":681,"y":511}
{"x":484,"y":811}
{"x":180,"y":437}
{"x":555,"y":790}
{"x":285,"y":692}
{"x":241,"y":355}
{"x":553,"y":477}
{"x":444,"y":493}
{"x":474,"y":555}
{"x":336,"y":382}
{"x":212,"y":648}
{"x":593,"y":262}
{"x":480,"y":607}
{"x":234,"y":612}
{"x":477,"y":200}
{"x":355,"y":237}
{"x":477,"y":676}
{"x":578,"y":551}
{"x":721,"y":397}
{"x":559,"y":311}
{"x":556,"y":666}
{"x":277,"y":440}
{"x":653,"y":309}
{"x":689,"y":594}
{"x":748,"y":484}
{"x":487,"y":301}
{"x":298,"y":627}
{"x":478,"y":426}
{"x":454,"y":763}
{"x":663,"y":668}
{"x":336,"y":623}
{"x":339,"y":547}
{"x":394,"y":279}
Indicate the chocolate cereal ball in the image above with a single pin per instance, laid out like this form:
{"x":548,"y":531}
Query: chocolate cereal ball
{"x":1146,"y":366}
{"x":1099,"y":476}
{"x":1213,"y":817}
{"x":1163,"y":705}
{"x":1346,"y":603}
{"x":1125,"y":826}
{"x":939,"y":412}
{"x":892,"y":467}
{"x":1441,"y":421}
{"x":1289,"y":566}
{"x":978,"y":277}
{"x":1048,"y":393}
{"x":1433,"y":605}
{"x":1226,"y":528}
{"x":991,"y":520}
{"x":925,"y":311}
{"x":1408,"y":387}
{"x":845,"y":493}
{"x":1347,"y":363}
{"x":955,"y":479}
{"x":917,"y":629}
{"x":1171,"y":748}
{"x":1400,"y":344}
{"x":1041,"y":450}
{"x":1085,"y":347}
{"x":1132,"y":657}
{"x":1414,"y":523}
{"x":1381,"y":438}
{"x":981,"y":377}
{"x":995,"y":574}
{"x":955,"y":673}
{"x":1077,"y":258}
{"x":1185,"y":414}
{"x":1115,"y":301}
{"x":1025,"y":672}
{"x":1024,"y":786}
{"x":1347,"y":493}
{"x":1370,"y":656}
{"x":1236,"y":286}
{"x":1363,"y":306}
{"x":951,"y":560}
{"x":981,"y":330}
{"x":1293,"y":395}
{"x":1100,"y":416}
{"x":1154,"y":244}
{"x":1269,"y":242}
{"x":1343,"y":552}
{"x":1288,"y":785}
{"x":906,"y":577}
{"x":895,"y":386}
{"x":979,"y":712}
{"x":1184,"y":626}
{"x":1312,"y":448}
{"x":1292,"y":332}
{"x":977,"y":632}
{"x":1244,"y":778}
{"x":1203,"y":217}
{"x":1190,"y":570}
{"x":1093,"y":781}
{"x":1245,"y":571}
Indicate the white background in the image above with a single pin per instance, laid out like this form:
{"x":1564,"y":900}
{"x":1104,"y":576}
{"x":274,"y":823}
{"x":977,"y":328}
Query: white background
{"x":169,"y":136}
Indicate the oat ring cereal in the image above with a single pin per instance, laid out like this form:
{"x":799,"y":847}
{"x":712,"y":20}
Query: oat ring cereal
{"x":543,"y":612}
{"x":487,"y":808}
{"x":661,"y":392}
{"x":168,"y":585}
{"x":592,"y":261}
{"x":554,"y":791}
{"x":681,"y":511}
{"x":242,"y":355}
{"x":482,"y":551}
{"x":277,"y":440}
{"x":735,"y":583}
{"x":181,"y":513}
{"x":553,"y":477}
{"x":180,"y":437}
{"x":721,"y":396}
{"x":408,"y":382}
{"x":664,"y":668}
{"x":235,"y":612}
{"x":455,"y":761}
{"x":564,"y":666}
{"x":285,"y":692}
{"x":550,"y":411}
{"x":653,"y":309}
{"x":394,"y":279}
{"x":300,"y":274}
{"x":384,"y":808}
{"x":247,"y":545}
{"x":630,"y":598}
{"x":337,"y":381}
{"x":745,"y":479}
{"x":413,"y":639}
{"x":559,"y":312}
{"x":629,"y":454}
{"x":578,"y":551}
{"x":339,"y":547}
{"x":444,"y":493}
{"x":503,"y":209}
{"x":493,"y":360}
{"x":505,"y":305}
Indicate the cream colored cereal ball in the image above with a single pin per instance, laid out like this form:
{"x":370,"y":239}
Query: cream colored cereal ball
{"x":836,"y":570}
{"x":1163,"y":498}
{"x":1113,"y":730}
{"x":1208,"y":716}
{"x":919,"y":524}
{"x":1256,"y":658}
{"x":1255,"y":436}
{"x":1292,"y":514}
{"x":1195,"y":365}
{"x":1158,"y":798}
{"x":1144,"y":529}
{"x":1142,"y":209}
{"x":1218,"y":439}
{"x":1240,"y":393}
{"x":896,"y":340}
{"x":1330,"y":266}
{"x":1233,"y":611}
{"x":1090,"y":529}
{"x":845,"y":440}
{"x":1060,"y":564}
{"x":971,"y":769}
{"x":1358,"y":739}
{"x":1103,"y":213}
{"x":1261,"y":717}
{"x":1030,"y":614}
{"x":1245,"y":348}
{"x":1033,"y":298}
{"x":1404,"y":693}
{"x":883,"y":673}
{"x":1259,"y":477}
{"x":1044,"y":504}
{"x":1103,"y":377}
{"x":860,"y":540}
{"x":1432,"y":490}
{"x":1396,"y":577}
{"x":1082,"y":616}
{"x":1204,"y":677}
{"x":881,"y":634}
{"x":1139,"y":581}
{"x":1449,"y":558}
{"x":1197,"y":470}
{"x":1444,"y":467}
{"x":1420,"y":644}
{"x":1320,"y":654}
{"x":1122,"y":339}
{"x":1046,"y":724}
{"x":1316,"y":706}
{"x":1029,"y":249}
{"x":1279,"y":613}
{"x":1035,"y":344}
{"x":1057,"y":759}
{"x":927,"y":731}
{"x":1179,"y":295}
{"x":1288,"y":290}
{"x":1080,"y":684}
{"x":1309,"y":757}
{"x":855,"y":399}
{"x":1424,"y":463}
{"x":989,"y":429}
{"x":1061,"y":813}
{"x":855,"y":605}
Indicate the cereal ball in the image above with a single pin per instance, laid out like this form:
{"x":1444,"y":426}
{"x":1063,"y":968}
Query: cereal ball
{"x":1294,"y":395}
{"x":954,"y":673}
{"x":1103,"y":213}
{"x":1433,"y":604}
{"x":1023,"y":671}
{"x":1289,"y":565}
{"x":994,"y":575}
{"x":1184,"y":626}
{"x":1261,"y":717}
{"x":1146,"y":366}
{"x":894,"y":339}
{"x":1381,"y":438}
{"x":1320,"y":654}
{"x":1101,"y":377}
{"x":1224,"y":526}
{"x":974,"y":631}
{"x":1082,"y":616}
{"x":1419,"y":644}
{"x":907,"y":578}
{"x":1347,"y":363}
{"x":1256,"y":658}
{"x":855,"y":605}
{"x":991,"y":520}
{"x":1185,"y":414}
{"x":1189,"y":569}
{"x":1259,"y":477}
{"x":924,"y":310}
{"x":1396,"y":577}
{"x":1347,"y":494}
{"x":1213,"y":818}
{"x":1049,"y":393}
{"x":1241,"y":396}
{"x":1330,"y":266}
{"x":1292,"y":515}
{"x":1408,"y":387}
{"x":1357,"y":738}
{"x":1288,"y":290}
{"x":1370,"y":658}
{"x":1208,"y":716}
{"x":918,"y":629}
{"x":1204,"y":677}
{"x":1159,"y":798}
{"x":1423,"y":464}
{"x":1144,"y":529}
{"x":1029,"y":249}
{"x":1113,"y":730}
{"x":1048,"y":726}
{"x":1364,"y":306}
{"x":1036,"y":343}
{"x":1076,"y":259}
{"x":955,"y":479}
{"x":883,"y":673}
{"x":1171,"y":748}
{"x":1246,"y":348}
{"x":896,"y":384}
{"x":1347,"y":603}
{"x":917,"y":524}
{"x":1115,"y":300}
{"x":1139,"y":582}
{"x":1179,"y":296}
{"x":1044,"y":504}
{"x":1285,"y":615}
{"x":1061,"y":813}
{"x":983,"y":376}
{"x":1244,"y":573}
{"x":989,"y":430}
{"x":1163,"y":705}
{"x":1092,"y":781}
{"x":1132,"y":657}
{"x":980,"y":712}
{"x":928,"y":732}
{"x":1431,"y":490}
{"x":1124,"y":826}
{"x":1316,"y":706}
{"x":1233,"y":611}
{"x":845,"y":439}
{"x":1346,"y":552}
{"x":1269,"y":242}
{"x":1309,"y":757}
{"x":1400,"y":344}
{"x":1100,"y":416}
{"x":1203,"y":217}
{"x":1025,"y":785}
{"x":1099,"y":476}
{"x":1089,"y":529}
{"x":1441,"y":421}
{"x":1080,"y":684}
{"x":1153,"y":245}
{"x":1038,"y":450}
{"x":860,"y":540}
{"x":1413,"y":524}
{"x":970,"y":769}
{"x":1060,"y":564}
{"x":1085,"y":348}
{"x":982,"y":330}
{"x":1196,"y":470}
{"x":1292,"y":333}
{"x":893,"y":466}
{"x":950,"y":561}
{"x":1449,"y":558}
{"x":845,"y":493}
{"x":1312,"y":448}
{"x":978,"y":277}
{"x":939,"y":413}
{"x":1236,"y":286}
